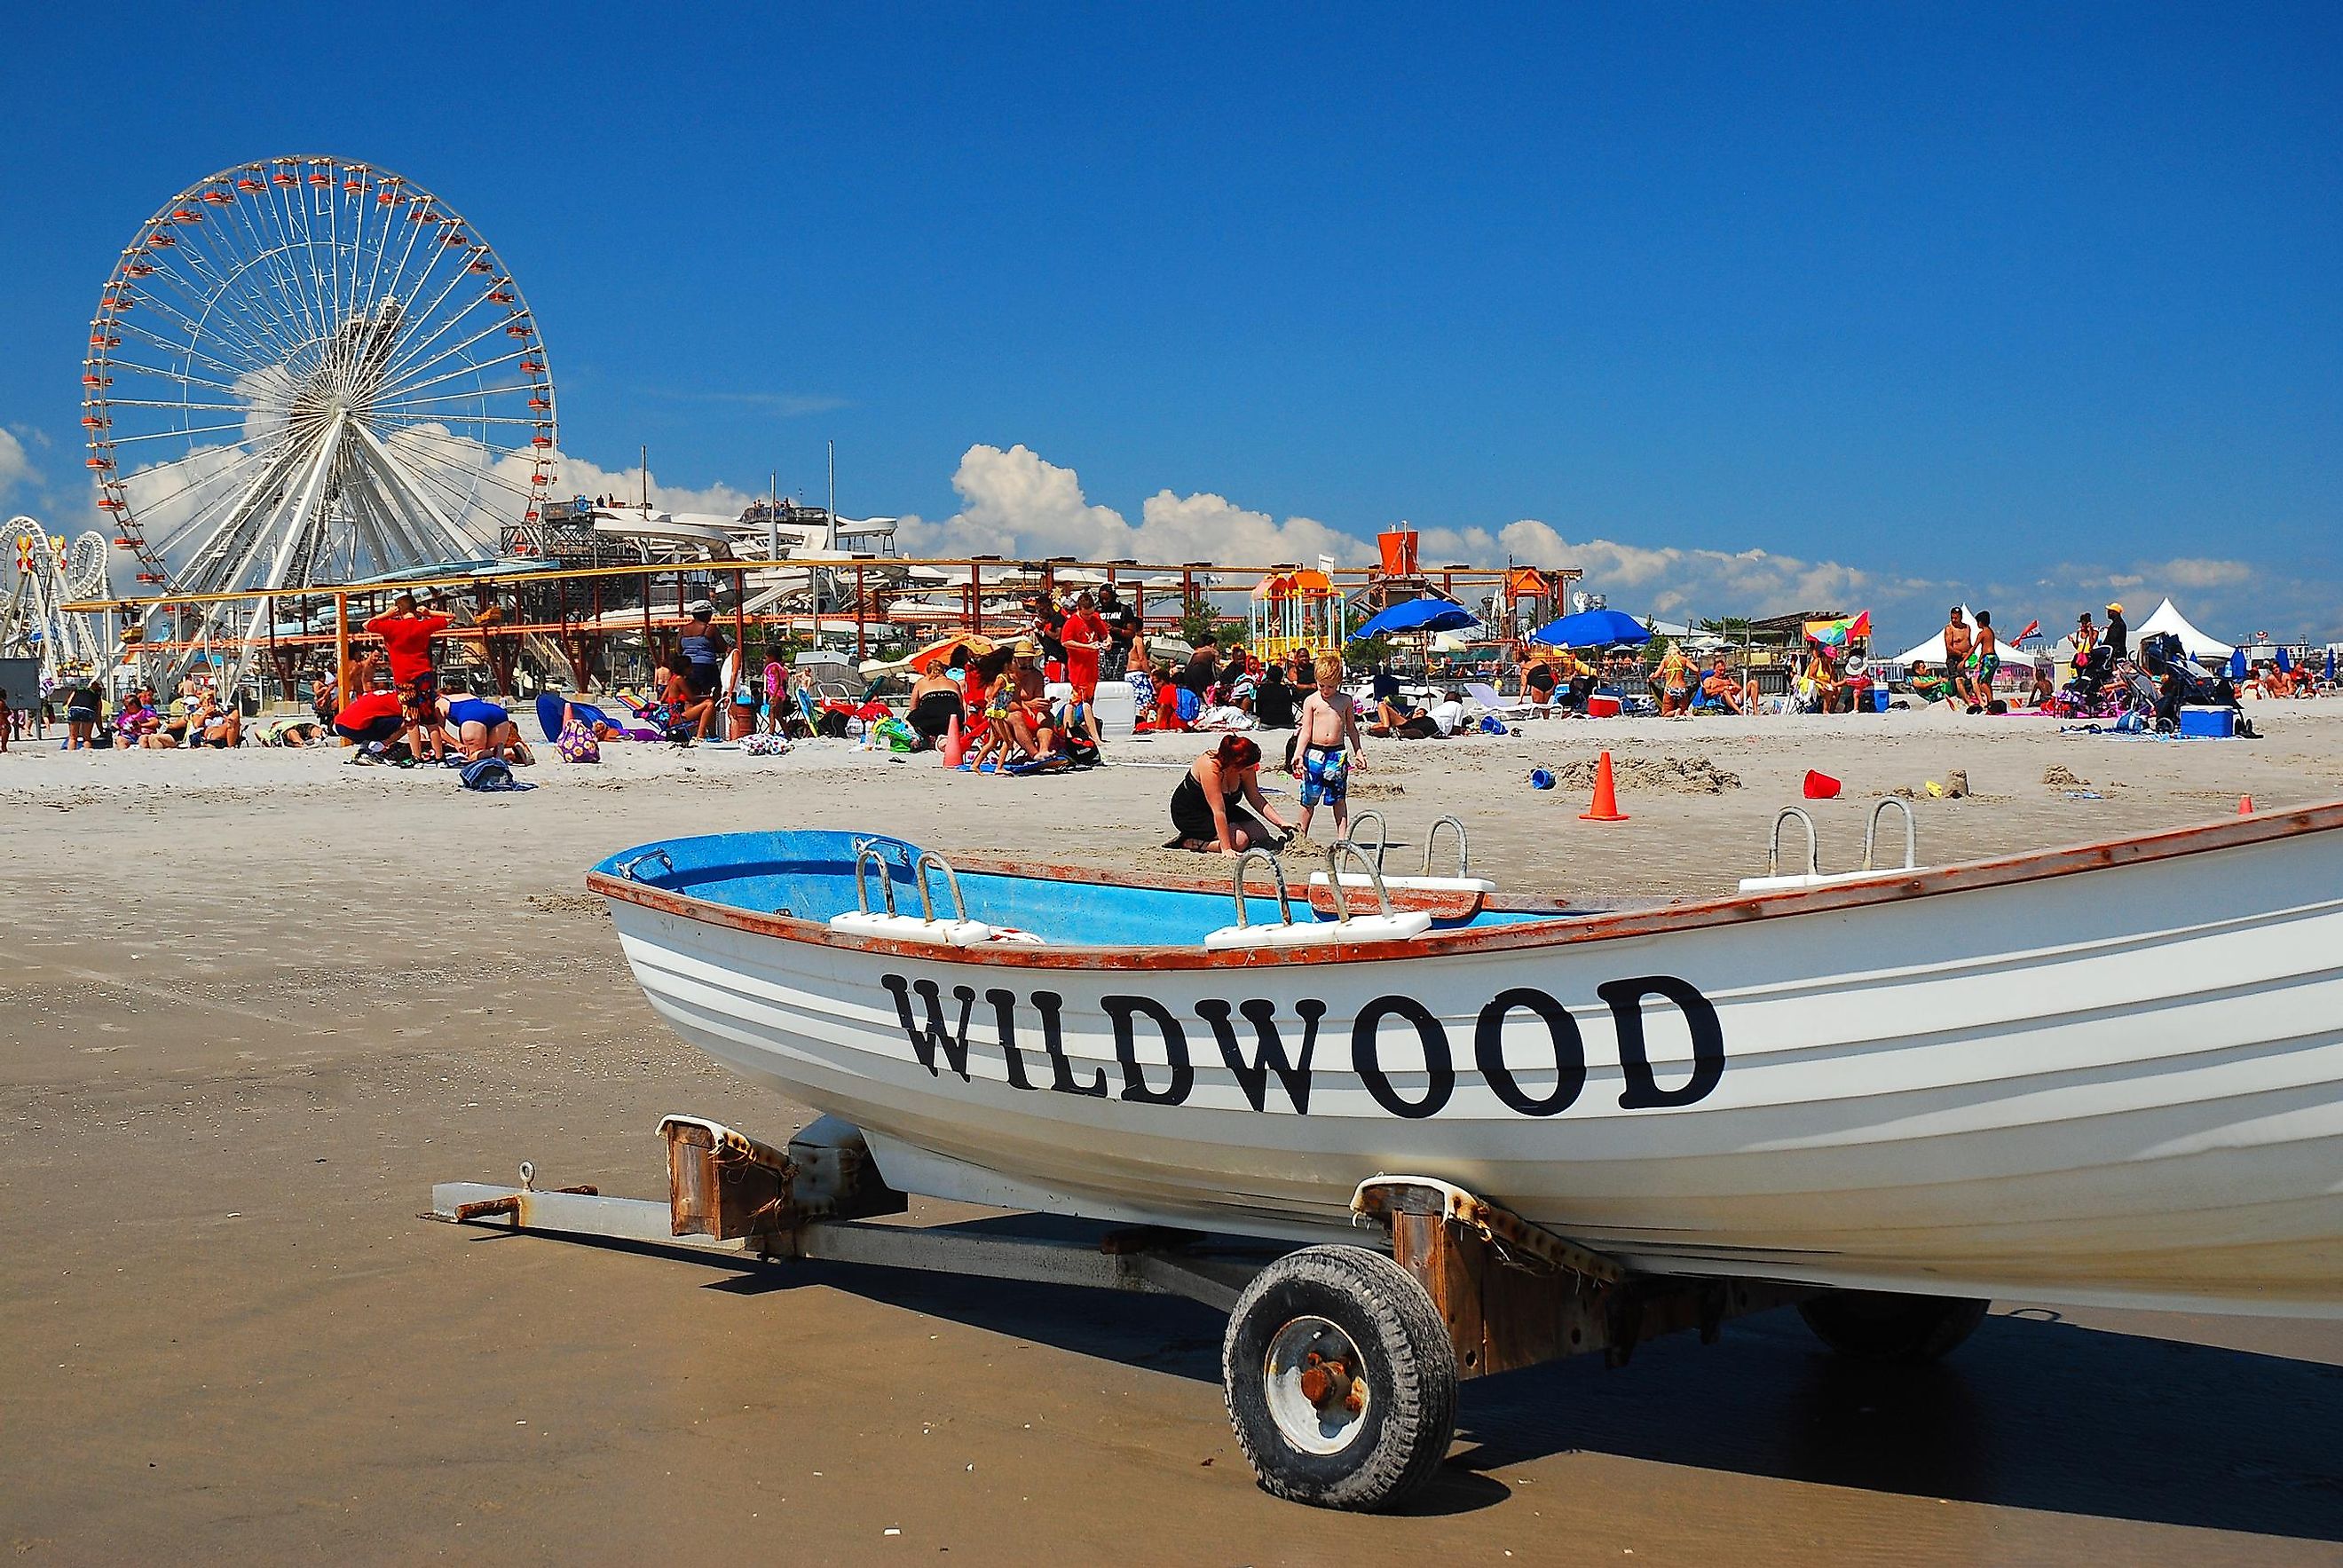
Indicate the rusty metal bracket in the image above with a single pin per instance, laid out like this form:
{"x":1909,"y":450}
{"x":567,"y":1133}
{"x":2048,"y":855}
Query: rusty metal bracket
{"x":1518,"y":1243}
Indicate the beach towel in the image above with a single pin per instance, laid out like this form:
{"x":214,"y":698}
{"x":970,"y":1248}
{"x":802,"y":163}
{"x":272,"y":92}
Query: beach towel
{"x":490,"y":773}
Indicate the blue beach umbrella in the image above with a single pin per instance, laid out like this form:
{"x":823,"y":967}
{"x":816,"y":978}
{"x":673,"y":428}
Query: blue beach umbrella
{"x":1590,"y":629}
{"x":2237,"y":664}
{"x":2285,"y":660}
{"x":1416,"y":615}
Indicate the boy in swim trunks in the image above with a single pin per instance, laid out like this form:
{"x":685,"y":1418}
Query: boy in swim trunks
{"x":1328,"y":744}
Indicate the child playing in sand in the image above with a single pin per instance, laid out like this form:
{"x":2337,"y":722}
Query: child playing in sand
{"x":1327,"y":731}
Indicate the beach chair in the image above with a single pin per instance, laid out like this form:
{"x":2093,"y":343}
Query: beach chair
{"x":1496,"y":707}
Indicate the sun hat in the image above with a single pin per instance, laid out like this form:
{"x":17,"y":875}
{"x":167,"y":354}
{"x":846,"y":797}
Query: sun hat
{"x":699,"y":607}
{"x":2116,"y":608}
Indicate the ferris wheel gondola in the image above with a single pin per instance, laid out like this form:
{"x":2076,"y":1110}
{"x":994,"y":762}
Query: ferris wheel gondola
{"x":304,"y":370}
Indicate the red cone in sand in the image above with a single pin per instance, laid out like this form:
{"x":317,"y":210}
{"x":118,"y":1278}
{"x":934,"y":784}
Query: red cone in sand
{"x":954,"y":747}
{"x":1606,"y":807}
{"x":2244,"y":804}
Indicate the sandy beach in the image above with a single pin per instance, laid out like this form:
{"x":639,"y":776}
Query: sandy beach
{"x":260,"y":1001}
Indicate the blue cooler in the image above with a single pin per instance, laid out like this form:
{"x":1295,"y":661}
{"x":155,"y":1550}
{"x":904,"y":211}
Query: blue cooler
{"x":1878,"y":700}
{"x":2209,"y":723}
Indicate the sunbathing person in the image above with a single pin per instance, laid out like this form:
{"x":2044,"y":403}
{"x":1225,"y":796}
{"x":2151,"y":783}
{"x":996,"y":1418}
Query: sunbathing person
{"x":1719,"y":688}
{"x":288,"y":730}
{"x":140,"y":725}
{"x":1219,"y":804}
{"x":1031,"y":722}
{"x":211,"y":724}
{"x":1928,"y":685}
{"x":687,"y":713}
{"x":600,"y":730}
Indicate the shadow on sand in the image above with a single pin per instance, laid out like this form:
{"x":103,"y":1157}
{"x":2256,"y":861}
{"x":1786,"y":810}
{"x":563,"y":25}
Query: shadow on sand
{"x":2027,"y":1414}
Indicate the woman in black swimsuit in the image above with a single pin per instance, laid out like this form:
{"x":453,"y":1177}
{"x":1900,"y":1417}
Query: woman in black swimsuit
{"x":1219,"y":804}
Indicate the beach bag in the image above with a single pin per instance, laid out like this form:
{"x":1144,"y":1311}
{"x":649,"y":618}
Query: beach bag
{"x":764,"y":745}
{"x":490,"y":773}
{"x":576,"y":743}
{"x":895,"y":735}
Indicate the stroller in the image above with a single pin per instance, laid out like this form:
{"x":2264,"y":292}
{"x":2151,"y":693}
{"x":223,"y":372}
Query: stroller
{"x":2168,"y":680}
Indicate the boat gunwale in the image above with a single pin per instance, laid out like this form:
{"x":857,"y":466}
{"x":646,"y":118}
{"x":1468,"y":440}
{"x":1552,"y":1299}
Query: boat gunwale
{"x":1564,"y":928}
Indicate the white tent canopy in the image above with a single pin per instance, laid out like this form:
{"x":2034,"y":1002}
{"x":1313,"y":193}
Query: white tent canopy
{"x":1933,"y":650}
{"x":2194,"y":643}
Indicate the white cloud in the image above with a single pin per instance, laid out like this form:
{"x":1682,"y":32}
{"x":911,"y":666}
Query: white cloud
{"x":2198,"y":572}
{"x":16,"y":469}
{"x":1015,"y":502}
{"x":577,"y":476}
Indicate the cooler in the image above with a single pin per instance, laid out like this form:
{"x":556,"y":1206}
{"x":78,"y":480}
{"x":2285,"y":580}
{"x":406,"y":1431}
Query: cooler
{"x":2209,"y":723}
{"x":1603,"y":705}
{"x":1118,"y":708}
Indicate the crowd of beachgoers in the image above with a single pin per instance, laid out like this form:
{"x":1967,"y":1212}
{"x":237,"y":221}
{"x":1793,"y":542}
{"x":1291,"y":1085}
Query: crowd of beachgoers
{"x":1030,"y":703}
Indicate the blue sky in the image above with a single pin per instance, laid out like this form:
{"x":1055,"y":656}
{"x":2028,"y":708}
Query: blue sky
{"x":2016,"y":304}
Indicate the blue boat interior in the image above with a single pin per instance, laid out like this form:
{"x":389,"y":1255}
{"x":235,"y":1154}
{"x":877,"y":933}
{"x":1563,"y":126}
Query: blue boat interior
{"x":810,"y":874}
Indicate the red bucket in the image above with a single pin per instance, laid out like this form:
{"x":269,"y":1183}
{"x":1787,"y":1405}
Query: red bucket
{"x":1821,"y":786}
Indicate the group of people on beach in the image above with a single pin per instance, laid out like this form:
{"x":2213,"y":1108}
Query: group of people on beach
{"x":388,"y":704}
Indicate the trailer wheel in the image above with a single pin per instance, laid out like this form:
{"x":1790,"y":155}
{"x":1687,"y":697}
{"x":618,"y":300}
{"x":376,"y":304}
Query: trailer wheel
{"x":1339,"y":1379}
{"x":1879,"y":1326}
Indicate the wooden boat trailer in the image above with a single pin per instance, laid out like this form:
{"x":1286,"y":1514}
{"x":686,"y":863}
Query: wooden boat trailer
{"x":1341,"y":1362}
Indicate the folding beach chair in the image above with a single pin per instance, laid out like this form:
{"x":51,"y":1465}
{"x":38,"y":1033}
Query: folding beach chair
{"x":1496,"y":707}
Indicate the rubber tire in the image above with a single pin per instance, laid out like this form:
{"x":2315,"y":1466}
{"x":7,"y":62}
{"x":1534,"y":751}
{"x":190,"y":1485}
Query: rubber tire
{"x":1407,"y":1361}
{"x":1875,"y":1326}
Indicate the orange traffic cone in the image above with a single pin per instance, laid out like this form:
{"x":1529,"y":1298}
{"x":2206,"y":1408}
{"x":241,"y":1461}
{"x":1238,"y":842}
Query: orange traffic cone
{"x":1606,"y":807}
{"x":954,"y":747}
{"x":2244,"y":804}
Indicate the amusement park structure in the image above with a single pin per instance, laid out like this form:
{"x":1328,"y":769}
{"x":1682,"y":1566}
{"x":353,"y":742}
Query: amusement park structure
{"x":311,"y":383}
{"x":47,"y":573}
{"x":302,"y":370}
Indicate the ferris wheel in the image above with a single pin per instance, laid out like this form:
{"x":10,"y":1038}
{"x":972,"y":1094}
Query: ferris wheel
{"x":309,"y":370}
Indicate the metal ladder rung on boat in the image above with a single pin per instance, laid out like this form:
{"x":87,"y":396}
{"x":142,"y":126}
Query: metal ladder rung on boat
{"x":1446,"y":898}
{"x":1383,"y":926}
{"x":958,"y":931}
{"x":1814,"y":876}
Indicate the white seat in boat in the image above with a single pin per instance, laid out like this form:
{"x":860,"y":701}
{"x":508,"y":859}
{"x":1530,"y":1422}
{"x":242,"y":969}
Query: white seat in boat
{"x":1391,"y":927}
{"x":913,"y":928}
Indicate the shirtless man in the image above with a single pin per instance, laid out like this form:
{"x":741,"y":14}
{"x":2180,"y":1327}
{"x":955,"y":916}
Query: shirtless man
{"x":1328,"y":746}
{"x":1959,"y":640}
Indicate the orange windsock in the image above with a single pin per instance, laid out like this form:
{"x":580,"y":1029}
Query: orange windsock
{"x":1606,"y":807}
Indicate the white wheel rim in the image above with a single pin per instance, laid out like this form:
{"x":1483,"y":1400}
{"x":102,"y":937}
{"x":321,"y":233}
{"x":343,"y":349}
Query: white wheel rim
{"x":308,"y":370}
{"x":1310,"y":1356}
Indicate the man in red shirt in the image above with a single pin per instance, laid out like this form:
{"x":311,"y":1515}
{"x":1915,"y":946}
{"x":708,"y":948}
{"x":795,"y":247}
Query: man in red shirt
{"x":406,"y":633}
{"x":1085,"y":637}
{"x":370,"y":719}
